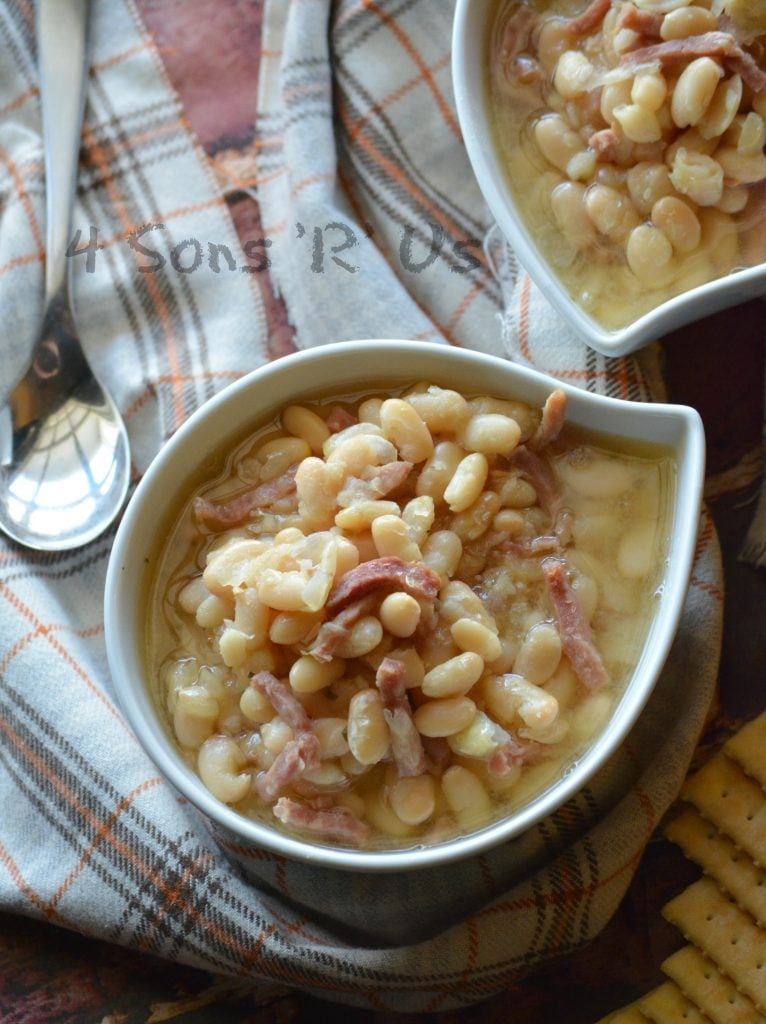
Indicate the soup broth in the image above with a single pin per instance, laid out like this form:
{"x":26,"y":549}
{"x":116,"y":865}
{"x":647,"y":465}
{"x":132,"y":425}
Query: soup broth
{"x":633,"y":139}
{"x":391,"y":620}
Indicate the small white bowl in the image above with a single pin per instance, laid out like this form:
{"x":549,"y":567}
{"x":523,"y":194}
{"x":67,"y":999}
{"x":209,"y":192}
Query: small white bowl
{"x":470,"y":37}
{"x":352,"y":367}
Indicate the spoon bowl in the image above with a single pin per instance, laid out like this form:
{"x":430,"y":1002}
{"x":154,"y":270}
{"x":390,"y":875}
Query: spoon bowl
{"x":64,"y":454}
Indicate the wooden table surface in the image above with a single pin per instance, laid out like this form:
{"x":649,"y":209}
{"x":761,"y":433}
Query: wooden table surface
{"x":49,"y":976}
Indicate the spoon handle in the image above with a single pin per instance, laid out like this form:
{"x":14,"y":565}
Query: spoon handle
{"x":61,"y":49}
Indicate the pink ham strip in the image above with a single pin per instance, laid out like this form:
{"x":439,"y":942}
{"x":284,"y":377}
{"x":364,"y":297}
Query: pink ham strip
{"x":375,"y":482}
{"x":503,"y":761}
{"x":532,"y":547}
{"x":745,"y":66}
{"x":335,"y":823}
{"x":648,"y":23}
{"x":590,"y":19}
{"x":418,"y":580}
{"x":285,"y":703}
{"x":406,"y":745}
{"x":576,"y":635}
{"x":338,"y":419}
{"x":387,"y":478}
{"x":540,"y":476}
{"x":676,"y":51}
{"x":549,"y":428}
{"x":333,"y":632}
{"x":710,"y":44}
{"x":605,"y":142}
{"x":237,"y":511}
{"x":300,"y":754}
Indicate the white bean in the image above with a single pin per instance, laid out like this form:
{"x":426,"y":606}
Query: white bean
{"x":419,"y":515}
{"x":413,"y":800}
{"x":255,"y":706}
{"x":368,"y":736}
{"x":697,"y":176}
{"x":694,"y":91}
{"x":220,"y":763}
{"x":539,"y":654}
{"x":331,"y":733}
{"x":402,"y":425}
{"x":454,"y":677}
{"x":442,"y":551}
{"x":557,"y":142}
{"x":479,"y":738}
{"x":638,"y":123}
{"x":443,"y":411}
{"x":308,"y":675}
{"x":722,"y":109}
{"x":679,"y":223}
{"x":364,"y":637}
{"x":466,"y":796}
{"x":439,"y":470}
{"x":275,"y":457}
{"x":195,"y":716}
{"x":444,"y":716}
{"x":477,"y":518}
{"x":467,"y":482}
{"x":400,"y":614}
{"x":491,"y":434}
{"x":470,"y":635}
{"x":648,"y":182}
{"x":611,"y":211}
{"x":361,"y":515}
{"x":568,"y":206}
{"x":573,"y":74}
{"x":392,"y":538}
{"x":687,"y":21}
{"x":303,"y":423}
{"x":649,"y":254}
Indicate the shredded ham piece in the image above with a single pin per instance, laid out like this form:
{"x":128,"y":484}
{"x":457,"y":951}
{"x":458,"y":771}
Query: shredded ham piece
{"x":745,"y":66}
{"x":338,"y":419}
{"x":721,"y":45}
{"x":677,"y":51}
{"x":300,"y":754}
{"x":418,"y":580}
{"x":237,"y":511}
{"x":333,"y":632}
{"x":648,"y":23}
{"x":576,"y":635}
{"x":505,"y":759}
{"x":406,"y":744}
{"x":540,"y":476}
{"x":552,"y":421}
{"x":605,"y":142}
{"x":375,"y":482}
{"x":532,"y":547}
{"x":283,"y":700}
{"x":335,"y":823}
{"x":590,"y":19}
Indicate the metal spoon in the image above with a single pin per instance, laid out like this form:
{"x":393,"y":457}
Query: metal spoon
{"x":64,"y":456}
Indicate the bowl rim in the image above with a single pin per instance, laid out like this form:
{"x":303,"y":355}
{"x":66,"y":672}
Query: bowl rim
{"x":126,"y":660}
{"x":471,"y":104}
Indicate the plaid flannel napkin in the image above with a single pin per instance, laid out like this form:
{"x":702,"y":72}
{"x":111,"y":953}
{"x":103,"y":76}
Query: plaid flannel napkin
{"x":376,"y":230}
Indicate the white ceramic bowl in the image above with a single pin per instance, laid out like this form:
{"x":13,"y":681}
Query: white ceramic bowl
{"x":469,"y":73}
{"x":352,"y":366}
